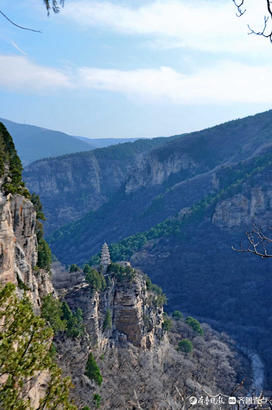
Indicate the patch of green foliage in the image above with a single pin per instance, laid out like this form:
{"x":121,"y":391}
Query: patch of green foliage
{"x":74,"y":268}
{"x":185,"y":346}
{"x":96,"y":400}
{"x":10,"y":165}
{"x":95,"y":279}
{"x":195,"y":325}
{"x":92,"y":370}
{"x":61,"y":318}
{"x":21,"y":284}
{"x":107,"y":324}
{"x":160,"y":298}
{"x":52,"y":312}
{"x":74,"y":321}
{"x":44,"y":251}
{"x":121,"y":273}
{"x":25,"y":350}
{"x":177,"y":315}
{"x":44,"y":255}
{"x":167,"y":323}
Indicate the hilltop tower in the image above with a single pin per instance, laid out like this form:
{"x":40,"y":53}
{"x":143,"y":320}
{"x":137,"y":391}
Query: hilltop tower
{"x":105,"y":258}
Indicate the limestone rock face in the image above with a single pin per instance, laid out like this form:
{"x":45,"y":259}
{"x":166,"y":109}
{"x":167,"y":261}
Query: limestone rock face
{"x":139,"y":362}
{"x":18,"y":248}
{"x":135,"y":318}
{"x":150,"y":170}
{"x":244,"y":209}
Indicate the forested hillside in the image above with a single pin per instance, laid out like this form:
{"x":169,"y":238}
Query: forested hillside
{"x":175,"y":212}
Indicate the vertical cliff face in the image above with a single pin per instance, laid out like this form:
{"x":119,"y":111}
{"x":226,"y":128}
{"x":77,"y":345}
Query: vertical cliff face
{"x":18,"y":248}
{"x":125,"y":312}
{"x":18,"y":241}
{"x":141,"y":365}
{"x":27,"y":383}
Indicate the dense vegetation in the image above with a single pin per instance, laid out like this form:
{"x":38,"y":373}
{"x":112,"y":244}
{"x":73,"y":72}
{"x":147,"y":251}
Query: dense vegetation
{"x":25,"y":349}
{"x":10,"y":165}
{"x":61,"y":318}
{"x":95,"y":279}
{"x":231,"y":180}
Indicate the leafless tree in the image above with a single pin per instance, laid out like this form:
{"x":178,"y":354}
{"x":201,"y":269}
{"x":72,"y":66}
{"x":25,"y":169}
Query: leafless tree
{"x":53,"y":5}
{"x":257,"y":243}
{"x":266,"y":30}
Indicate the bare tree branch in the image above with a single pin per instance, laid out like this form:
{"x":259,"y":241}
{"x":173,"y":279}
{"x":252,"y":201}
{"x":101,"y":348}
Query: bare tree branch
{"x":17,"y":25}
{"x":53,"y":5}
{"x":266,"y":32}
{"x":257,"y":243}
{"x":239,"y":6}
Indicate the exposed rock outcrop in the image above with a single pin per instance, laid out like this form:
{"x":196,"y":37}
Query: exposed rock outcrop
{"x":18,"y":244}
{"x":139,"y":361}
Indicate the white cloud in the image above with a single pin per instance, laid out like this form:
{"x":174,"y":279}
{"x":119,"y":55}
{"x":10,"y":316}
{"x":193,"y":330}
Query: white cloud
{"x":202,"y":25}
{"x":18,"y":72}
{"x":224,"y":83}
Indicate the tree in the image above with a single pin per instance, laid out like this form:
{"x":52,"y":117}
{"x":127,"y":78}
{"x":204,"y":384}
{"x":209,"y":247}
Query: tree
{"x":25,"y":341}
{"x":53,"y":5}
{"x":52,"y":312}
{"x":177,"y":315}
{"x":185,"y":346}
{"x":195,"y":325}
{"x":74,"y":321}
{"x":267,"y":24}
{"x":257,"y":243}
{"x":92,"y":370}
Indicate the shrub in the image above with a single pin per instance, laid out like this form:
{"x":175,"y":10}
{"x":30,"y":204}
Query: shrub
{"x":52,"y":312}
{"x":167,"y":323}
{"x":44,"y":255}
{"x":74,"y":268}
{"x":195,"y":325}
{"x":185,"y":346}
{"x":92,"y":370}
{"x":177,"y":315}
{"x":97,"y":400}
{"x":24,"y":353}
{"x":74,"y":321}
{"x":95,"y":279}
{"x":121,"y":272}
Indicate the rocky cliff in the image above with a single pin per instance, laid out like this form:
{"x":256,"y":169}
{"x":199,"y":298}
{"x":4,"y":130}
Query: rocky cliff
{"x":138,"y":358}
{"x":25,"y":365}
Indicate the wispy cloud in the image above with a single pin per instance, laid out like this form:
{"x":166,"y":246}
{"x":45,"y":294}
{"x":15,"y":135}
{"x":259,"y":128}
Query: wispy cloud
{"x":15,"y":45}
{"x":202,"y":25}
{"x":223,"y":83}
{"x":18,"y":72}
{"x":226,"y":82}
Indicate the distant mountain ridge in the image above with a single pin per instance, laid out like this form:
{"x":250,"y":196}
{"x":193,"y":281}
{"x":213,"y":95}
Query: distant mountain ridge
{"x":174,"y":208}
{"x":34,"y":143}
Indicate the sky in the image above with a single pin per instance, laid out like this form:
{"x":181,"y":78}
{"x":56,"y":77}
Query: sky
{"x":133,"y":68}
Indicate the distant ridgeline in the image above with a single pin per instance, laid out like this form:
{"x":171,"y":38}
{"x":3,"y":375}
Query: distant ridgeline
{"x":231,"y":180}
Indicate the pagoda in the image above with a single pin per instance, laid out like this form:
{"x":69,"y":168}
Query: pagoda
{"x":105,"y":258}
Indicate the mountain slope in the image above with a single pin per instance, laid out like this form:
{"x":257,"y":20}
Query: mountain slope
{"x":72,"y":185}
{"x":155,"y":185}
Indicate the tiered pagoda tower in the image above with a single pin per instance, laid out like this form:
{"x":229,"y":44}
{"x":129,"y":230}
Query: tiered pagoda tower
{"x":105,"y":258}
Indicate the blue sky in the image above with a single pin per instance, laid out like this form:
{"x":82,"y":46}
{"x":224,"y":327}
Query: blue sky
{"x":133,"y":68}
